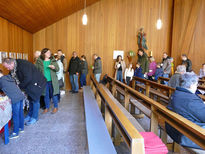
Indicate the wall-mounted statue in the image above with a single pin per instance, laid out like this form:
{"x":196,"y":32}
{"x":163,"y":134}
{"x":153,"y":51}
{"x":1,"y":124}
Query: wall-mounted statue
{"x":141,"y":39}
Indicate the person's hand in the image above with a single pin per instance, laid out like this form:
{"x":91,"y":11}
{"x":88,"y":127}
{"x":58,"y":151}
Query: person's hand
{"x":118,"y":65}
{"x":51,"y":66}
{"x":150,"y":70}
{"x":77,"y":73}
{"x":92,"y":67}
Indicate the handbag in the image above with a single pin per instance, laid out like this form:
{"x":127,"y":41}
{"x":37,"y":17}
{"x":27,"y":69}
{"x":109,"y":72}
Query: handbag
{"x":61,"y":83}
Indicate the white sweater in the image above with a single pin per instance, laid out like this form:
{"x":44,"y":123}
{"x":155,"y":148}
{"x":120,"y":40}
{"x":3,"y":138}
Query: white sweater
{"x":129,"y":73}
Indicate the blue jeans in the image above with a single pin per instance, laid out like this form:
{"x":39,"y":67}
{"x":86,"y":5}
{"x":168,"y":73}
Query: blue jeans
{"x":49,"y":94}
{"x":166,"y":76}
{"x":18,"y":116}
{"x":82,"y":80}
{"x":119,"y":76}
{"x":97,"y":77}
{"x":74,"y":82}
{"x":34,"y":109}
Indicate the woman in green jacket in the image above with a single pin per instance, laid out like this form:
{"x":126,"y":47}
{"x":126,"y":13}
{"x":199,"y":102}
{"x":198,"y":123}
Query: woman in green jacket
{"x":48,"y":66}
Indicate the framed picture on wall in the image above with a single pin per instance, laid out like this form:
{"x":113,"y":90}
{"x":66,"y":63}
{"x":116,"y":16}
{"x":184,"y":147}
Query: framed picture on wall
{"x":14,"y":55}
{"x":117,"y":53}
{"x":19,"y":56}
{"x":25,"y":56}
{"x":3,"y":55}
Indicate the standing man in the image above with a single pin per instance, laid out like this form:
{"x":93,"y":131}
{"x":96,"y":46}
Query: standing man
{"x":97,"y":68}
{"x":143,"y":61}
{"x":187,"y":62}
{"x":30,"y":80}
{"x":166,"y":66}
{"x":73,"y":71}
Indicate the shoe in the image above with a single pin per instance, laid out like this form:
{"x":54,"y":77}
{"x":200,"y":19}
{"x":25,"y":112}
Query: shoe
{"x":21,"y":130}
{"x":54,"y":110}
{"x":71,"y":91}
{"x":75,"y":92}
{"x":27,"y":118}
{"x":45,"y":111}
{"x":13,"y":136}
{"x":31,"y":122}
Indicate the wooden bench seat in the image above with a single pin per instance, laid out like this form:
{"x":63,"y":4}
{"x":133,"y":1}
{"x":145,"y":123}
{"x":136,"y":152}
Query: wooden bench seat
{"x":99,"y":140}
{"x":128,"y":115}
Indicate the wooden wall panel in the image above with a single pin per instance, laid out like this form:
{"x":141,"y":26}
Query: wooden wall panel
{"x":112,"y":25}
{"x":183,"y":12}
{"x":15,"y":39}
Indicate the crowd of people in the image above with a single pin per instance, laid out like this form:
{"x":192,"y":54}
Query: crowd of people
{"x":44,"y":81}
{"x":40,"y":82}
{"x":184,"y":101}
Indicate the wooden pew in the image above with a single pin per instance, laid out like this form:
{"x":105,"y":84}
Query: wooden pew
{"x":160,"y":112}
{"x":95,"y":126}
{"x":124,"y":123}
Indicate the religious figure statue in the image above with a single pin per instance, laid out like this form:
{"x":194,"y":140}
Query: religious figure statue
{"x":141,"y":39}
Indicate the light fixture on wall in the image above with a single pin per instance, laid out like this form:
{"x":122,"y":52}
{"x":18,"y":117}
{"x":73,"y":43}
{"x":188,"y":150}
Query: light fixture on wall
{"x":85,"y":18}
{"x":159,"y":21}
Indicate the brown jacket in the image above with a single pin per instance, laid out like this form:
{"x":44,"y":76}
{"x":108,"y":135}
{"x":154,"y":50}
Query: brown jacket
{"x":123,"y":68}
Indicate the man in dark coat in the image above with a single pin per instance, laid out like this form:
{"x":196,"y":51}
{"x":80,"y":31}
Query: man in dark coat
{"x":187,"y":62}
{"x":143,"y":60}
{"x":185,"y":102}
{"x":74,"y":70}
{"x":30,"y":80}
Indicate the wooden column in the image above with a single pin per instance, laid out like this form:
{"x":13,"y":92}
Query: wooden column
{"x":98,"y":98}
{"x":154,"y":121}
{"x":127,"y":100}
{"x":108,"y":120}
{"x":147,"y":89}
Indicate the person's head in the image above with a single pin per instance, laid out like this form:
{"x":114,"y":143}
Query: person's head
{"x":83,"y":57}
{"x":138,"y":65}
{"x":8,"y":63}
{"x":1,"y":73}
{"x":130,"y":65}
{"x":95,"y":56}
{"x":203,"y":66}
{"x":151,"y":59}
{"x":181,"y":69}
{"x":45,"y":53}
{"x":75,"y":54}
{"x":56,"y":56}
{"x":158,"y":65}
{"x":165,"y":55}
{"x":37,"y":54}
{"x":140,"y":52}
{"x":119,"y":58}
{"x":184,"y":57}
{"x":171,"y":59}
{"x":60,"y":53}
{"x":189,"y":81}
{"x":141,"y":30}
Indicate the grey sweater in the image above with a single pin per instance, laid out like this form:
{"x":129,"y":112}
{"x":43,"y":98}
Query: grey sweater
{"x":97,"y":66}
{"x":9,"y":87}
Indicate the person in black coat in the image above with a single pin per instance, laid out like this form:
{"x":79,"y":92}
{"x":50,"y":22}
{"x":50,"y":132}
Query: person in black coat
{"x":185,"y":102}
{"x":74,"y":70}
{"x":187,"y":62}
{"x":30,"y":80}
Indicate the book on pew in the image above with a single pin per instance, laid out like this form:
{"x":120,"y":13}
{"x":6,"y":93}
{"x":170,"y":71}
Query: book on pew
{"x":153,"y":144}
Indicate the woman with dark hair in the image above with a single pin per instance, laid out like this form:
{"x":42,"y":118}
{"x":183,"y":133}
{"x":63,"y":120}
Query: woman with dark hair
{"x":120,"y":67}
{"x":48,"y":66}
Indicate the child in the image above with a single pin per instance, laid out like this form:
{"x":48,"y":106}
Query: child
{"x":9,"y":87}
{"x":159,"y":72}
{"x":83,"y":71}
{"x":129,"y":72}
{"x":152,"y":68}
{"x":138,"y":71}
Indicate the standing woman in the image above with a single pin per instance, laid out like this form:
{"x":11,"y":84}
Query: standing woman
{"x":48,"y":66}
{"x":83,"y":71}
{"x":120,"y":67}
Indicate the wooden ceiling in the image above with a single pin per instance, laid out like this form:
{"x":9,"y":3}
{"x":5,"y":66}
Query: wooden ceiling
{"x":33,"y":15}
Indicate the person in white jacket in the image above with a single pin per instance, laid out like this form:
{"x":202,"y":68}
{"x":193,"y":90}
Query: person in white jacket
{"x":129,"y":73}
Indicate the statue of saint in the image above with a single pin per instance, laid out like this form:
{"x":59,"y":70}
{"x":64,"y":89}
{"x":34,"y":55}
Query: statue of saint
{"x":141,"y":39}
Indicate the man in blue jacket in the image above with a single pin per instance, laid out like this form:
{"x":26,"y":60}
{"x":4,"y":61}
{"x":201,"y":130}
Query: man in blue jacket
{"x":185,"y":102}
